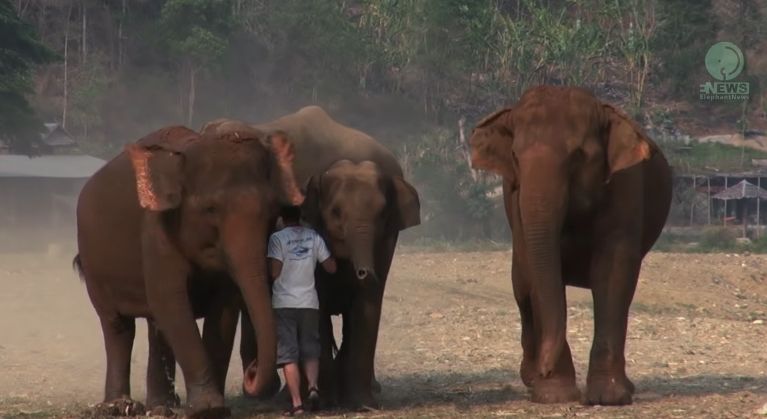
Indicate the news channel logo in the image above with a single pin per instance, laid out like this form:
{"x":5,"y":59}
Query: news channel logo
{"x":724,"y":62}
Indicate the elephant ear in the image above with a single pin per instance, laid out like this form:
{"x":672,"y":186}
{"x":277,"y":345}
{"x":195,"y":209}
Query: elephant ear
{"x":627,"y":145}
{"x":408,"y":204}
{"x":282,"y":151}
{"x":158,"y":171}
{"x":310,"y":210}
{"x":491,"y":144}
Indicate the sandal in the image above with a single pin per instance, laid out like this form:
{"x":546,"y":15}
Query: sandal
{"x":294,"y":411}
{"x":314,"y":399}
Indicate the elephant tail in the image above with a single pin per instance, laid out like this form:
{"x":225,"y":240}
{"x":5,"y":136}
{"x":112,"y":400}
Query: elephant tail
{"x":77,"y":266}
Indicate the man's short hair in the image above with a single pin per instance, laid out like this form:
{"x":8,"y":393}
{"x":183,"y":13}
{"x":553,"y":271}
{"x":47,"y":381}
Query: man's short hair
{"x":291,"y":214}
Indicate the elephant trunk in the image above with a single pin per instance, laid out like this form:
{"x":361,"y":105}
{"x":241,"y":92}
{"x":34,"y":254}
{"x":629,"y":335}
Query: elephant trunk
{"x":542,"y":207}
{"x":361,"y":243}
{"x":246,"y":250}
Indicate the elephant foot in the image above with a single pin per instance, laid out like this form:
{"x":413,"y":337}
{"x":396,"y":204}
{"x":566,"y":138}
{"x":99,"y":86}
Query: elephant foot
{"x":217,"y":412}
{"x":375,"y":386}
{"x":555,"y":390}
{"x":361,"y":402}
{"x":169,"y":401}
{"x":206,"y":404}
{"x":118,"y":407}
{"x":528,"y":373}
{"x":609,"y":390}
{"x":161,"y":411}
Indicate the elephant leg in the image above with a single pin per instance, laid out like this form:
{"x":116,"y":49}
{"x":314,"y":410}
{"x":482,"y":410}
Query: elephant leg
{"x":161,"y":372}
{"x":118,"y":332}
{"x":559,"y":386}
{"x":527,"y":368}
{"x":614,"y":276}
{"x":375,"y":385}
{"x":248,"y":354}
{"x":328,"y":379}
{"x":248,"y":348}
{"x":341,"y":362}
{"x":178,"y":325}
{"x":167,"y":294}
{"x":218,"y":332}
{"x":359,"y":345}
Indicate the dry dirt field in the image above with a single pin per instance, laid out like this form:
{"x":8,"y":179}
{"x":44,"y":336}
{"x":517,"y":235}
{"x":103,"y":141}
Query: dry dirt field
{"x":449,"y":343}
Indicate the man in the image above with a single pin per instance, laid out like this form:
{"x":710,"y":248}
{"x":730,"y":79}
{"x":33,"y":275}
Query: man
{"x":293,"y":253}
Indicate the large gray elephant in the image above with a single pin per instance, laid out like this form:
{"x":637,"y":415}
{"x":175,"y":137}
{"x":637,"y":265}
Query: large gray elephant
{"x":174,"y":229}
{"x":359,"y":201}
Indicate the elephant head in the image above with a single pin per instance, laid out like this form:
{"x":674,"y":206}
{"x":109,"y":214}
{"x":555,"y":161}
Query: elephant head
{"x":355,"y":205}
{"x":558,"y":149}
{"x":216,"y":195}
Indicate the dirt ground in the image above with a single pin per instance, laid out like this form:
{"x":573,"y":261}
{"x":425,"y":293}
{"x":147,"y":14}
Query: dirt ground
{"x":449,"y":342}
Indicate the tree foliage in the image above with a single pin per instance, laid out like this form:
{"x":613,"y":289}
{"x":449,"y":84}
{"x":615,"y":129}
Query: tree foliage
{"x":20,"y":52}
{"x":403,"y":70}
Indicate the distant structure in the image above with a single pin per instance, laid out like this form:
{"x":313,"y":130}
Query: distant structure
{"x":38,"y":194}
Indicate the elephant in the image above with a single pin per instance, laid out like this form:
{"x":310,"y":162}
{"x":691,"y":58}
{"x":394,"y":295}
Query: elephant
{"x":586,"y":194}
{"x":359,"y":210}
{"x":174,"y":229}
{"x":356,"y":159}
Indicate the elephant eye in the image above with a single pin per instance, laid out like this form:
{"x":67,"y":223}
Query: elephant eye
{"x":209,"y":209}
{"x":336,"y":211}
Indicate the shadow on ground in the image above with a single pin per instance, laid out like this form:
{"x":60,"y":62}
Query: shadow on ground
{"x":465,"y":392}
{"x":496,"y":387}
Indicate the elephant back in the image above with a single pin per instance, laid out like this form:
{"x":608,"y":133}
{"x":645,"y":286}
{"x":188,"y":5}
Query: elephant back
{"x":320,"y":141}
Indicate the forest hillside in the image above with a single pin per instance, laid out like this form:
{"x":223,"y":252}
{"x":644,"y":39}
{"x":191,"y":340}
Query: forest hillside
{"x":413,"y":73}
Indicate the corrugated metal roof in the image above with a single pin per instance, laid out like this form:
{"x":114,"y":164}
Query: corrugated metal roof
{"x":55,"y":166}
{"x":742,"y":189}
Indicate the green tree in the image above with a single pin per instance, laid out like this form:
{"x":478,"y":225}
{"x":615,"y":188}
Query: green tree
{"x":197,"y":34}
{"x":685,"y":31}
{"x":20,"y":52}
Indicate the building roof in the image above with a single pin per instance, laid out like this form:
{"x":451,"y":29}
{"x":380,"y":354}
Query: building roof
{"x":742,"y":189}
{"x":56,"y":136}
{"x":53,"y":166}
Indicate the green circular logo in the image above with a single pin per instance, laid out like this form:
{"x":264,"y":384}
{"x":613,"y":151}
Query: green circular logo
{"x":724,"y":61}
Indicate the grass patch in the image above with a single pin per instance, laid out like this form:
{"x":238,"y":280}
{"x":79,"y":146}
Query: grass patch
{"x":698,"y":156}
{"x":707,"y":240}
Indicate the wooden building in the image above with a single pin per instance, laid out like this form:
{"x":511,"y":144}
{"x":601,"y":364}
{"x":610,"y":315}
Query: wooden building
{"x":722,"y":198}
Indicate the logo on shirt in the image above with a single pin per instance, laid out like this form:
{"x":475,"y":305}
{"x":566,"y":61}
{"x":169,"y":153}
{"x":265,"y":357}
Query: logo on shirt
{"x":300,"y":251}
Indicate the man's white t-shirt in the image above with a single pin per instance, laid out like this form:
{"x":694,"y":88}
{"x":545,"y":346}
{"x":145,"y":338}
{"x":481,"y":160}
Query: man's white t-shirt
{"x":299,"y":249}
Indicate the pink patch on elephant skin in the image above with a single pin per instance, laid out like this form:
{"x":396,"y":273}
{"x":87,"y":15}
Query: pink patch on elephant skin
{"x":139,"y":157}
{"x":283,"y":150}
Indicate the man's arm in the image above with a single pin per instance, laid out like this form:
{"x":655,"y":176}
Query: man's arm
{"x":275,"y":269}
{"x":327,"y":261}
{"x":329,"y":265}
{"x":274,"y":256}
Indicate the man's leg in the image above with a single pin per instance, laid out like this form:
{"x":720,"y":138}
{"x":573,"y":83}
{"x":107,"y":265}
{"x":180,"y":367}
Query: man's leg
{"x":312,"y":367}
{"x":293,"y":381}
{"x":310,"y":351}
{"x":288,"y":352}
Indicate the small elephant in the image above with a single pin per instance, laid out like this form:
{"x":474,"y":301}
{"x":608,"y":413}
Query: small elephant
{"x":174,"y":229}
{"x":587,"y":194}
{"x":359,"y":210}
